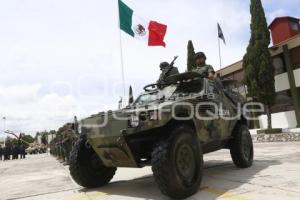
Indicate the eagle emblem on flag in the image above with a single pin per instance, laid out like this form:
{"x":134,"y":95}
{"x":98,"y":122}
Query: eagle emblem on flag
{"x":140,"y":30}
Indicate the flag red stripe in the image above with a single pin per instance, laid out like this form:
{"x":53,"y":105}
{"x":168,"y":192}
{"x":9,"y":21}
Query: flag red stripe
{"x":157,"y":34}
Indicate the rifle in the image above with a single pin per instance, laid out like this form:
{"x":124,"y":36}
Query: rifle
{"x":173,"y":62}
{"x":171,"y":65}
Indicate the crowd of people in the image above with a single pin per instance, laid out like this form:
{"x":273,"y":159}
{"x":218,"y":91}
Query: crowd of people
{"x":12,"y":152}
{"x":61,"y":146}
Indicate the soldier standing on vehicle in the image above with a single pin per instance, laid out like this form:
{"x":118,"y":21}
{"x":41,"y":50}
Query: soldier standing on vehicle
{"x":166,"y":71}
{"x":203,"y":68}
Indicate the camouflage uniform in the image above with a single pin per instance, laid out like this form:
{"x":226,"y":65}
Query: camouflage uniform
{"x":204,"y":69}
{"x":166,"y":71}
{"x":1,"y":153}
{"x":68,"y":137}
{"x":61,"y":146}
{"x":60,"y":153}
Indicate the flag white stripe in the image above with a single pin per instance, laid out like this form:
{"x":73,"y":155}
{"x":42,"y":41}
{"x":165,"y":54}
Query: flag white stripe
{"x":140,"y":28}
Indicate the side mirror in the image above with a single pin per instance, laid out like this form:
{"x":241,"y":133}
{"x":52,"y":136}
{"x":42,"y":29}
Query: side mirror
{"x":162,"y":99}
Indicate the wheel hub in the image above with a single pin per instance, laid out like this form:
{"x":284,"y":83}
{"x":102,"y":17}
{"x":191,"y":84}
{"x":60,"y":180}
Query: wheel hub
{"x":185,"y":162}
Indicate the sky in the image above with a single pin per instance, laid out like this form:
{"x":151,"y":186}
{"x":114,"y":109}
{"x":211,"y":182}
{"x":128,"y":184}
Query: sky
{"x":61,"y":58}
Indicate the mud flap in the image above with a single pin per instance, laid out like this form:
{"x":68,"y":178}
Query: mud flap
{"x":117,"y":154}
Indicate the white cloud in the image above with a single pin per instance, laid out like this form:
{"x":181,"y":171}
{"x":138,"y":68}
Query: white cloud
{"x":26,"y":110}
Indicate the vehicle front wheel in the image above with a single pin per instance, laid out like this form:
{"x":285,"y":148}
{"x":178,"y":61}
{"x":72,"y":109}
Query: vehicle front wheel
{"x":177,"y":164}
{"x":86,"y":167}
{"x":241,"y":147}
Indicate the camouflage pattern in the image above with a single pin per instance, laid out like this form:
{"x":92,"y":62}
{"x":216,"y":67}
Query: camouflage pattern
{"x":119,"y":144}
{"x":204,"y":69}
{"x":166,"y":72}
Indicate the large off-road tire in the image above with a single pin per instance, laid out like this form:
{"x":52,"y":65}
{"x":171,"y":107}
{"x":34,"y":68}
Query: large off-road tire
{"x":177,"y":164}
{"x":86,"y":167}
{"x":241,"y":147}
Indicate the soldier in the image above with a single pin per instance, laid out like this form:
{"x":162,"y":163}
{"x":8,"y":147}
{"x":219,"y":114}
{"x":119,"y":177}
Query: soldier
{"x":166,"y":71}
{"x":15,"y":152}
{"x":6,"y":153}
{"x":9,"y":152}
{"x":201,"y":66}
{"x":69,"y":137}
{"x":1,"y":152}
{"x":22,"y":151}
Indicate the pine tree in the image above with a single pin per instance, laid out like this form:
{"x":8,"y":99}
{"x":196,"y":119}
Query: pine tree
{"x":190,"y":56}
{"x":257,"y":63}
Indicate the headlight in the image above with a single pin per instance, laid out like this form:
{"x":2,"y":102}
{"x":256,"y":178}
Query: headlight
{"x":153,"y":115}
{"x":134,"y":121}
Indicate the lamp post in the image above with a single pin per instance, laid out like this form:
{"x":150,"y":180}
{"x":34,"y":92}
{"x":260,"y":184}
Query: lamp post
{"x":4,"y":127}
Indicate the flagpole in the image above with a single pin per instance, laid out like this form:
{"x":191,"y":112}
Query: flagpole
{"x":121,"y":57}
{"x":220,"y":57}
{"x":122,"y":68}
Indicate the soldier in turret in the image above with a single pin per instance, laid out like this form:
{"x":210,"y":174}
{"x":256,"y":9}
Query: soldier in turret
{"x":201,"y":66}
{"x":166,"y":71}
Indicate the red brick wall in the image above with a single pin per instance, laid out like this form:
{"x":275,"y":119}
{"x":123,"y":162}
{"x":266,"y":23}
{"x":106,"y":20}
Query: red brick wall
{"x":281,"y":30}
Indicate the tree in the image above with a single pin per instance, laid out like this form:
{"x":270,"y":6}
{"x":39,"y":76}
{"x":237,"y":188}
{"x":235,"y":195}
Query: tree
{"x":44,"y":138}
{"x":257,"y":63}
{"x":190,"y":56}
{"x":28,"y":138}
{"x":36,"y":136}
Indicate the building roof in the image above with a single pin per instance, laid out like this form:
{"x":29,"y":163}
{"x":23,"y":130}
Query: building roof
{"x":281,"y":18}
{"x":274,"y":50}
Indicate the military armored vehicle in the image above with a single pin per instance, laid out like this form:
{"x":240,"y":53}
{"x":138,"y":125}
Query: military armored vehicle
{"x":35,"y":148}
{"x":168,"y":127}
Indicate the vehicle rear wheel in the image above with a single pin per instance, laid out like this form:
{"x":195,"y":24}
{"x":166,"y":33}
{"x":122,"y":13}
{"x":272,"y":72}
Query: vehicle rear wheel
{"x":86,"y":167}
{"x":241,"y":147}
{"x":177,"y":164}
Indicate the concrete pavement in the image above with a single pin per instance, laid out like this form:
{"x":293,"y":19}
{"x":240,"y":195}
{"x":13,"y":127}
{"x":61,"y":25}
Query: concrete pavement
{"x":274,"y":175}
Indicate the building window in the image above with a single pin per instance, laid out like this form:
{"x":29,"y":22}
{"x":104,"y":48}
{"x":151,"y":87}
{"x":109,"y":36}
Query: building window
{"x":294,"y":26}
{"x":283,"y":102}
{"x":295,"y":56}
{"x":278,"y":64}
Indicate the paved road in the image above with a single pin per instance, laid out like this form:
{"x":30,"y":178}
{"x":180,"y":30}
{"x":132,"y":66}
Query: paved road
{"x":274,"y":175}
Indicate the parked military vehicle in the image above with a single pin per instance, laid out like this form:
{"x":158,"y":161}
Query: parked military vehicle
{"x":168,"y":127}
{"x":35,"y":148}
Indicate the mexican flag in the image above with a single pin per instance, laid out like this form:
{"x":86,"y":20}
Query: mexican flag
{"x":152,"y":32}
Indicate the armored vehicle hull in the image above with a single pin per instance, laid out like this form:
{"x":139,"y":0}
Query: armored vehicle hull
{"x":168,"y":127}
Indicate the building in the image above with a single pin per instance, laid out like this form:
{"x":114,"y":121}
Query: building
{"x":285,"y":52}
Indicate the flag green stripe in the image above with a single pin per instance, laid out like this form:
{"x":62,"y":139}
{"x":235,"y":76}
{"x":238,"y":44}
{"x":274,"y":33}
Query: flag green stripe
{"x":125,"y":14}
